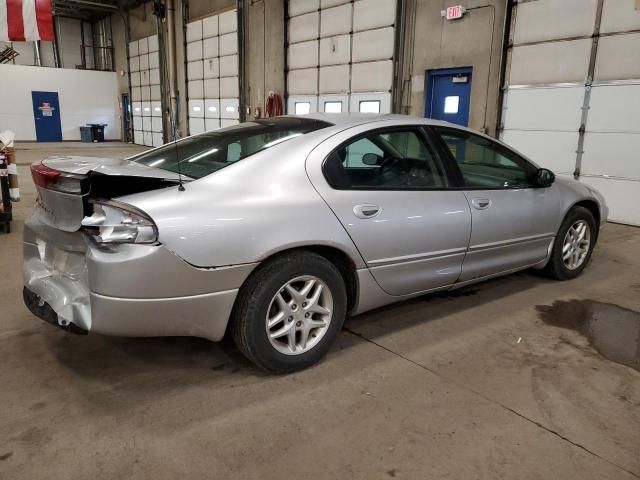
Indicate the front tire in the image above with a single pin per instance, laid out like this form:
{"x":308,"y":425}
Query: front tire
{"x":573,"y":245}
{"x":289,"y":312}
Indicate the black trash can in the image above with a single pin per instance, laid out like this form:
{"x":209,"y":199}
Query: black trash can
{"x":97,"y":131}
{"x":86,"y":135}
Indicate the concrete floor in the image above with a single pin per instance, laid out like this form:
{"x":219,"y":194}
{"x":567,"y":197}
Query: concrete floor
{"x":465,"y":385}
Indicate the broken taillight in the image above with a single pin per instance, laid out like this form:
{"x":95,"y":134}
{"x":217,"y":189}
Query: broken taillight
{"x":52,"y":179}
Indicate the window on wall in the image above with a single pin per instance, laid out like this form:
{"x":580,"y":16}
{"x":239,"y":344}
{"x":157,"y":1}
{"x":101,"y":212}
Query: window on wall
{"x":333,"y":107}
{"x":212,"y":72}
{"x":370,"y":106}
{"x":391,"y":160}
{"x":485,"y":163}
{"x":302,"y":108}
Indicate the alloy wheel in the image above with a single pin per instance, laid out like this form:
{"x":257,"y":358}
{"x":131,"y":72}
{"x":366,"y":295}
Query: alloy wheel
{"x":575,"y":247}
{"x":299,"y":315}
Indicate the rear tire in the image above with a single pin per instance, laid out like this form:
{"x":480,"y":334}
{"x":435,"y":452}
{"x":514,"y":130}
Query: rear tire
{"x":573,"y":245}
{"x":289,"y":312}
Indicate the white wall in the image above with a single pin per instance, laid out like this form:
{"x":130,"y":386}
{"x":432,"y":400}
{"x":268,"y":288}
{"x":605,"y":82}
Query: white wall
{"x":85,"y":97}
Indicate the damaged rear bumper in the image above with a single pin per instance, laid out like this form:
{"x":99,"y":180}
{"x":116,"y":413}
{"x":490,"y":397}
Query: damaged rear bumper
{"x":123,"y":290}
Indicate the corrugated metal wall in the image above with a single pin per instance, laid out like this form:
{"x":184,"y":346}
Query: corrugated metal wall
{"x":573,"y":97}
{"x":340,"y":55}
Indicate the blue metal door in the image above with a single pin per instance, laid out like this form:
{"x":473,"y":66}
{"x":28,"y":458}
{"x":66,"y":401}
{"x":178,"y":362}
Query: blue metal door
{"x":448,"y":95}
{"x":46,"y":113}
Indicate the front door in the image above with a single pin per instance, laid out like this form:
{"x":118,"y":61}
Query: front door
{"x":514,"y":223}
{"x":448,"y":95}
{"x":391,"y":194}
{"x":46,"y":114}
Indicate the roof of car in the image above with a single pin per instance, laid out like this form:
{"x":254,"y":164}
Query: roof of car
{"x":352,"y":119}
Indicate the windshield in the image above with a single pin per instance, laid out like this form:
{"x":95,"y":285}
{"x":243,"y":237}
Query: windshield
{"x":209,"y":152}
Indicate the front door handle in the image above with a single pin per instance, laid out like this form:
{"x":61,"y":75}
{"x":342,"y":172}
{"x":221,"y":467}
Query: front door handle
{"x":481,"y":203}
{"x":366,"y":211}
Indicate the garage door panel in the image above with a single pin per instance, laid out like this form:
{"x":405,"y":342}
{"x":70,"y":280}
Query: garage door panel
{"x":229,"y":108}
{"x":621,"y":198}
{"x":303,"y":55}
{"x":196,"y":125}
{"x":194,"y":51}
{"x":618,"y":57}
{"x":229,"y":66}
{"x":614,"y":108}
{"x":334,"y":79}
{"x":210,"y":26}
{"x":620,"y":16}
{"x":368,"y":14}
{"x":195,"y":70}
{"x":373,"y":45}
{"x":555,"y":62}
{"x":553,"y":150}
{"x":303,"y":82}
{"x":370,"y":103}
{"x":301,"y":105}
{"x":544,"y":108}
{"x":229,"y":87}
{"x":612,"y":154}
{"x":195,"y":89}
{"x":335,"y":50}
{"x":194,"y":31}
{"x":228,"y":44}
{"x":332,"y":3}
{"x":212,"y":88}
{"x":298,"y":7}
{"x":336,"y":20}
{"x":304,"y":27}
{"x":333,"y":103}
{"x":552,"y":19}
{"x":228,"y":22}
{"x":211,"y":68}
{"x":210,"y":47}
{"x":372,"y":76}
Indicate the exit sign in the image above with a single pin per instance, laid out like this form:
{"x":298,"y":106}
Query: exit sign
{"x":455,"y":12}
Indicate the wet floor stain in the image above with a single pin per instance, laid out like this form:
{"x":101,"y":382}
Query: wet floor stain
{"x":612,"y":330}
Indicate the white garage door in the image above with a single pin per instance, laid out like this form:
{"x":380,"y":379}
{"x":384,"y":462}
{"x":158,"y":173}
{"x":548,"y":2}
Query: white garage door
{"x":212,"y":72}
{"x":146,"y":108}
{"x":572,"y":104}
{"x":340,"y":55}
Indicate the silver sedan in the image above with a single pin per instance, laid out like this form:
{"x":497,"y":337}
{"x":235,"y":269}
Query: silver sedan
{"x":275,"y":230}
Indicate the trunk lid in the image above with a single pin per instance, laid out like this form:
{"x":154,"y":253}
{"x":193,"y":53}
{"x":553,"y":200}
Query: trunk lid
{"x":65,"y":184}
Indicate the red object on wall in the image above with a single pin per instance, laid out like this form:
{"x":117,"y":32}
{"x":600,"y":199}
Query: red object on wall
{"x":25,"y":20}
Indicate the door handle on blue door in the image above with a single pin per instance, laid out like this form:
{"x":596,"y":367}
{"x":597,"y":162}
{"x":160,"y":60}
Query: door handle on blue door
{"x":366,"y":211}
{"x":481,"y":203}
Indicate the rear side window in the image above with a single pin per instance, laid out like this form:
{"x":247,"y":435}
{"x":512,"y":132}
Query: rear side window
{"x":385,"y":160}
{"x":203,"y":154}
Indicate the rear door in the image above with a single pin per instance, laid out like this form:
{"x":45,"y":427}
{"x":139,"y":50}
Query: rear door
{"x":513,"y":223}
{"x":391,"y":193}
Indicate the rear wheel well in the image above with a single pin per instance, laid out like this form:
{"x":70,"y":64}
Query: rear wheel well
{"x":342,"y":262}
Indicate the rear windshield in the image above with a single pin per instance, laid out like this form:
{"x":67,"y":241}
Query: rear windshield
{"x":209,"y":152}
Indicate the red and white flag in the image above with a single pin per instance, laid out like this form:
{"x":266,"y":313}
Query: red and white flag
{"x":22,"y":20}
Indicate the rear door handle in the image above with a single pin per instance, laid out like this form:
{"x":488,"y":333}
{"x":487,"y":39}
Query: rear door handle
{"x":481,"y":203}
{"x":366,"y":210}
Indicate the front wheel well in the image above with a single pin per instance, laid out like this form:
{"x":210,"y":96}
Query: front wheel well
{"x":593,"y":207}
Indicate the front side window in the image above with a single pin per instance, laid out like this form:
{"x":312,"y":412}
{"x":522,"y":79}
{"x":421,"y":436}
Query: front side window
{"x":485,"y":163}
{"x":209,"y":152}
{"x":391,"y":160}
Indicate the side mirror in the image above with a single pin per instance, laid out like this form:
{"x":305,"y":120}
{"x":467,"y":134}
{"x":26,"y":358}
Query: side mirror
{"x":371,"y":159}
{"x":544,"y":178}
